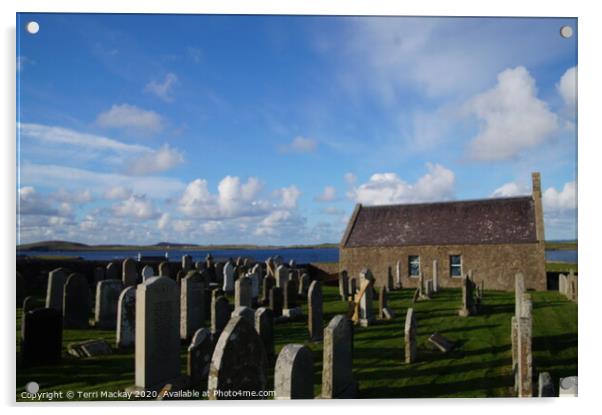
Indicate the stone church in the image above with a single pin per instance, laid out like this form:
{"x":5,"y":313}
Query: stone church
{"x":492,"y":239}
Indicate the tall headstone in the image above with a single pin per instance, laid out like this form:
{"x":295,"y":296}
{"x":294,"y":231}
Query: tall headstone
{"x":525,"y":356}
{"x":337,"y":364}
{"x":129,"y":273}
{"x":107,"y":297}
{"x":157,"y":334}
{"x":54,"y":292}
{"x":112,"y":271}
{"x":219,"y":273}
{"x":435,"y":276}
{"x":343,"y":285}
{"x":468,"y":305}
{"x":410,"y":336}
{"x":545,"y":386}
{"x":220,"y":314}
{"x":282,"y":275}
{"x":199,"y":358}
{"x":41,"y":337}
{"x":303,"y":284}
{"x":238,"y":363}
{"x":266,"y":286}
{"x":186,"y":263}
{"x":147,"y":272}
{"x":254,"y":279}
{"x":397,"y":284}
{"x":242,"y":293}
{"x":289,"y":291}
{"x":314,"y":311}
{"x":352,"y":286}
{"x":126,"y":318}
{"x":164,"y":269}
{"x":384,"y":312}
{"x":276,"y":301}
{"x":519,"y":290}
{"x":294,"y":372}
{"x":77,"y":303}
{"x":264,"y":326}
{"x":192,"y":304}
{"x":366,"y":312}
{"x":228,"y":286}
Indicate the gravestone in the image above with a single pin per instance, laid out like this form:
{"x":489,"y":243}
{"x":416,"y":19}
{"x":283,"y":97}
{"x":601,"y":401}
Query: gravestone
{"x":468,"y":306}
{"x":112,"y":271}
{"x":397,"y":284}
{"x":164,"y":269}
{"x":366,"y":312}
{"x":242,"y":293}
{"x":337,"y":365}
{"x":416,"y":296}
{"x":314,"y":311}
{"x":343,"y":286}
{"x":276,"y":301}
{"x":199,"y":359}
{"x":384,"y":312}
{"x":126,"y":319}
{"x":303,"y":284}
{"x":157,"y":334}
{"x":54,"y":291}
{"x":41,"y":337}
{"x":186,"y":263}
{"x":545,"y":386}
{"x":228,"y":276}
{"x":107,"y":297}
{"x":421,"y":284}
{"x":264,"y":326}
{"x":147,"y":272}
{"x":282,"y":276}
{"x":99,"y":275}
{"x":294,"y":372}
{"x":410,"y":336}
{"x":89,"y":348}
{"x":238,"y":363}
{"x":352,"y":286}
{"x":192,"y":304}
{"x":567,"y":387}
{"x":219,"y":273}
{"x":254,"y":279}
{"x":77,"y":303}
{"x":266,"y":286}
{"x":290,"y":291}
{"x":525,"y":357}
{"x":435,"y":276}
{"x":220,"y":314}
{"x":129,"y":273}
{"x":30,"y":303}
{"x":180,"y":275}
{"x":429,"y":288}
{"x":441,"y":342}
{"x":245,"y":312}
{"x":519,"y":289}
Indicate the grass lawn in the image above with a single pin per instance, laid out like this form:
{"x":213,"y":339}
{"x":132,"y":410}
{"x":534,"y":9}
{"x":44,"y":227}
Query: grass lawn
{"x":480,"y":366}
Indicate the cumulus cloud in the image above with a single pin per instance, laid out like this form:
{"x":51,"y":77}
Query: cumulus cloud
{"x":389,"y":188}
{"x":510,"y":189}
{"x":163,"y":89}
{"x":289,"y":196}
{"x":564,"y":200}
{"x":155,"y":161}
{"x":512,"y":118}
{"x":131,"y":118}
{"x":567,"y":87}
{"x":301,"y":145}
{"x":136,"y":206}
{"x":328,"y":195}
{"x":117,"y":193}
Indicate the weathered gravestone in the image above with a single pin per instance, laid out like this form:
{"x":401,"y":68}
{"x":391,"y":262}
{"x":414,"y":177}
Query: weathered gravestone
{"x":220,"y":314}
{"x":384,"y":312}
{"x":41,"y":337}
{"x":435,"y":276}
{"x":397,"y":284}
{"x":238,"y":362}
{"x":303,"y":284}
{"x":245,"y":312}
{"x":126,"y":319}
{"x":468,"y":305}
{"x":314,"y":311}
{"x":410,"y":336}
{"x":164,"y":270}
{"x":441,"y":342}
{"x":567,"y":387}
{"x":228,"y":276}
{"x":276,"y":301}
{"x":294,"y":372}
{"x":254,"y":279}
{"x":524,"y":326}
{"x":266,"y":286}
{"x":290,"y":293}
{"x":30,"y":303}
{"x":77,"y":303}
{"x":337,"y":365}
{"x":112,"y":271}
{"x":157,"y":333}
{"x":219,"y":273}
{"x":199,"y":358}
{"x":54,"y":292}
{"x":180,"y":275}
{"x":89,"y":348}
{"x":129,"y":273}
{"x":242,"y":293}
{"x":545,"y":386}
{"x":264,"y":326}
{"x":147,"y":272}
{"x":352,"y":286}
{"x":282,"y":275}
{"x":192,"y":304}
{"x":107,"y":297}
{"x":366,"y":312}
{"x":343,"y":286}
{"x":186,"y":263}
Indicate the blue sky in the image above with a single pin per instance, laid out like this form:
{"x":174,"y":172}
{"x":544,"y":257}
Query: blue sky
{"x":268,"y":129}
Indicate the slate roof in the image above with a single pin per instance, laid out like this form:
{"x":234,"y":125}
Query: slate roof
{"x":486,"y":221}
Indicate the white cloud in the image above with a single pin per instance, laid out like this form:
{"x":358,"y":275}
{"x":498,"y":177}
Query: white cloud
{"x":567,"y":87}
{"x":513,"y":118}
{"x":301,"y":145}
{"x":510,"y":189}
{"x":328,"y":195}
{"x":289,"y":196}
{"x":350,"y":178}
{"x":564,"y":200}
{"x":157,"y":161}
{"x":117,"y":193}
{"x":65,"y":136}
{"x":163,"y":89}
{"x":388,"y":188}
{"x":79,"y":196}
{"x":32,"y":203}
{"x":164,"y":221}
{"x":137,"y":206}
{"x":131,"y":118}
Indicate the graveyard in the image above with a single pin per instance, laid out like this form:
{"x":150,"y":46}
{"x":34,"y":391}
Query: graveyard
{"x":479,"y":365}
